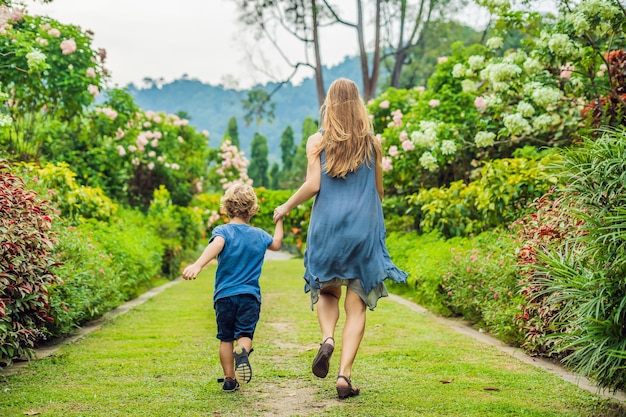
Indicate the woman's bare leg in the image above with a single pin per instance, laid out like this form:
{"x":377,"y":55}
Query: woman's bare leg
{"x":328,"y":312}
{"x":353,"y":331}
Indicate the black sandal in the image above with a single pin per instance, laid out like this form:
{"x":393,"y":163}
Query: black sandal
{"x":349,"y":391}
{"x":321,"y":363}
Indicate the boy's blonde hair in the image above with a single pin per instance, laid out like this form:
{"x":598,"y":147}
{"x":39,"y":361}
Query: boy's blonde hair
{"x":347,"y":139}
{"x":240,"y":200}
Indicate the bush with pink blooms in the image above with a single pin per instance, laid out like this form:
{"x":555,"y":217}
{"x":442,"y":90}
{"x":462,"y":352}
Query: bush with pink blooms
{"x":49,"y":71}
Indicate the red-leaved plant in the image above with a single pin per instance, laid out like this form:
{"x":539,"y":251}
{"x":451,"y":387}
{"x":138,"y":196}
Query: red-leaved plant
{"x":25,"y":261}
{"x":548,"y":226}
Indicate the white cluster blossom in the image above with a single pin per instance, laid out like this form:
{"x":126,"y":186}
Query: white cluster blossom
{"x":484,"y":139}
{"x":458,"y":71}
{"x":494,"y":43}
{"x":492,"y":100}
{"x":545,"y":121}
{"x":579,"y":22}
{"x":515,"y":57}
{"x":530,"y":87}
{"x":603,"y":9}
{"x":476,"y":62}
{"x":499,"y":72}
{"x":427,"y":135}
{"x":525,"y":109}
{"x":35,"y":59}
{"x":500,"y":86}
{"x":532,"y":66}
{"x":562,"y":46}
{"x":516,"y":124}
{"x":5,"y":120}
{"x":546,"y":96}
{"x":448,"y":147}
{"x":429,"y":162}
{"x":469,"y":86}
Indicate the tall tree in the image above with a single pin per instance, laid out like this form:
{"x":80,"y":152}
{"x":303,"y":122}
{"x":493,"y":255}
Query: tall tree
{"x":258,"y":168}
{"x":287,"y":148}
{"x":232,"y":131}
{"x":301,"y":20}
{"x":275,"y":177}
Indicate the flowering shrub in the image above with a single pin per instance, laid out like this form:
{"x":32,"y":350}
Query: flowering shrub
{"x":25,"y":267}
{"x":498,"y":196}
{"x":548,"y":226}
{"x":480,"y":284}
{"x":482,"y":105}
{"x":49,"y":71}
{"x":74,"y":202}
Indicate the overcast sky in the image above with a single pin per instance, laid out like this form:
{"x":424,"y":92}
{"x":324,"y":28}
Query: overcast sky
{"x":166,"y":39}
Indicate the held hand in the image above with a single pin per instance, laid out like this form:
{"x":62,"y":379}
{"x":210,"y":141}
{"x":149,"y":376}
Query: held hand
{"x":279,"y":213}
{"x":191,"y":272}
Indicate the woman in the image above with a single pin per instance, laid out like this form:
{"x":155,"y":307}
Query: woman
{"x":346,"y":237}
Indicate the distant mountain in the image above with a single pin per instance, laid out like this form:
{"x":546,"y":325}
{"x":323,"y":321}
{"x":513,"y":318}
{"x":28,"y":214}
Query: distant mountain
{"x":210,"y":107}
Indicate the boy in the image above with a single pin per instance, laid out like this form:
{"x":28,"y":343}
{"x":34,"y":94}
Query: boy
{"x":240,"y":251}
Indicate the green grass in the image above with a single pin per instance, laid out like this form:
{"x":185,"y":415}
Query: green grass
{"x":160,"y":359}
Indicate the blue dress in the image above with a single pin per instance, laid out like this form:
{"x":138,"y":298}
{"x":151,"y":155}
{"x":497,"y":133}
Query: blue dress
{"x":346,"y":237}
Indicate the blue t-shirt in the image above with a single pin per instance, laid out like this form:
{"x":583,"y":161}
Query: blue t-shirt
{"x":239,"y":264}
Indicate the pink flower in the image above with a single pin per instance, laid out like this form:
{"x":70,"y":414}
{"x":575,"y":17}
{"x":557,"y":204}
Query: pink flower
{"x":480,"y":103}
{"x":151,"y":166}
{"x":68,"y":46}
{"x":434,"y":103}
{"x":154,"y":143}
{"x":205,"y":133}
{"x":119,"y":134}
{"x":180,"y":139}
{"x":404,"y":136}
{"x":91,"y":73}
{"x":442,"y":59}
{"x":449,"y":292}
{"x":93,"y":90}
{"x":407,"y":145}
{"x":566,"y":71}
{"x":54,"y":32}
{"x":495,"y":295}
{"x":420,"y":88}
{"x":397,"y":117}
{"x":393,"y":151}
{"x":121,"y":150}
{"x":42,"y":42}
{"x":386,"y":163}
{"x":384,"y":104}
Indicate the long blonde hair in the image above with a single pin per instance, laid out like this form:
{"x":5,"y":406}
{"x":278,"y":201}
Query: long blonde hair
{"x":347,"y":128}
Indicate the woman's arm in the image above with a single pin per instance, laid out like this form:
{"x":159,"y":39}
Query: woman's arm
{"x":311,"y":184}
{"x":379,"y":173}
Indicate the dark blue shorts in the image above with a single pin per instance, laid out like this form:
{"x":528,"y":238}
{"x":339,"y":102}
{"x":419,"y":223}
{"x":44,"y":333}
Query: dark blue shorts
{"x":236,"y":316}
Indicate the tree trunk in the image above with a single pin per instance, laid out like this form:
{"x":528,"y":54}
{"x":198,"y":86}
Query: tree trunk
{"x":319,"y":79}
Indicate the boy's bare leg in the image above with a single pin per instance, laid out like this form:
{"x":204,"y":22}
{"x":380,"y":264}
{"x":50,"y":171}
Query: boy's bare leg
{"x":227,"y":359}
{"x":245,"y":342}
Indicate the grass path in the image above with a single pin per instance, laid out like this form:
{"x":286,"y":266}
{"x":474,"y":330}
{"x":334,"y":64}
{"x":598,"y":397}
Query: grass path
{"x":160,"y":359}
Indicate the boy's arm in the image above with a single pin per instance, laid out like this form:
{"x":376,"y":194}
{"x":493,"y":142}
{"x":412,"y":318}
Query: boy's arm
{"x":278,"y":236}
{"x":211,"y":251}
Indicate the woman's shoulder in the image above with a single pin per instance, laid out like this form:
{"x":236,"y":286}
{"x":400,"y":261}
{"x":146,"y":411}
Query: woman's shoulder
{"x":313,"y":142}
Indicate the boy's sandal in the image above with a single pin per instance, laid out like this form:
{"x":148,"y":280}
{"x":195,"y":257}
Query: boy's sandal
{"x":321,"y":362}
{"x":346,"y":392}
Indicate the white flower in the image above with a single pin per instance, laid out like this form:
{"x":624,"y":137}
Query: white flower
{"x":428,"y":161}
{"x":499,"y":72}
{"x":484,"y":139}
{"x":579,"y":22}
{"x":35,"y":60}
{"x":469,"y":86}
{"x":546,"y":96}
{"x":562,"y":46}
{"x":603,"y":9}
{"x":448,"y":147}
{"x":530,"y":87}
{"x":532,"y":66}
{"x":516,"y":124}
{"x":500,"y":86}
{"x":492,"y":100}
{"x":476,"y":62}
{"x":545,"y":121}
{"x":458,"y":71}
{"x":494,"y":43}
{"x":525,"y":109}
{"x":5,"y":120}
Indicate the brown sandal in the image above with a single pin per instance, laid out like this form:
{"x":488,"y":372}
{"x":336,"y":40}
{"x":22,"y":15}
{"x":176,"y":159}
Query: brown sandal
{"x":349,"y":391}
{"x":321,"y":363}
